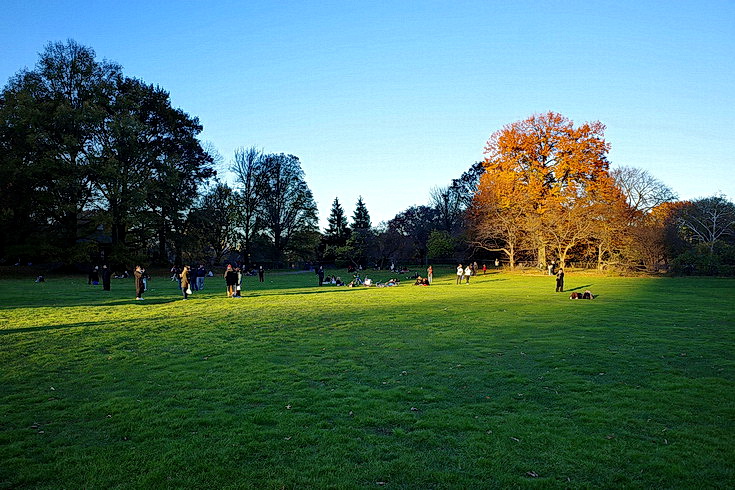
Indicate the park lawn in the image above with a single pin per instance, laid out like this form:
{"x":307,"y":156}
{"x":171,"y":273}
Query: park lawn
{"x":498,"y":383}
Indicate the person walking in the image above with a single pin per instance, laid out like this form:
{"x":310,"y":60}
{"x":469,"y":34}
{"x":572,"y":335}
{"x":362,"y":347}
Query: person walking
{"x":106,"y":275}
{"x":230,"y":280}
{"x":139,"y":287}
{"x":261,"y":274}
{"x":185,"y":282}
{"x":430,"y":274}
{"x":176,"y":275}
{"x":560,"y":281}
{"x":460,"y":273}
{"x":467,"y":273}
{"x":320,"y":273}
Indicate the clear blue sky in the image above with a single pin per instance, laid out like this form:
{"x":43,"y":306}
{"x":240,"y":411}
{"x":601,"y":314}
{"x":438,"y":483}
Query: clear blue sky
{"x":388,"y":99}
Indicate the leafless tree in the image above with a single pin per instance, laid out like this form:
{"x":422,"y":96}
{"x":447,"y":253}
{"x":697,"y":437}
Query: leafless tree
{"x":248,"y":169}
{"x":642,"y":190}
{"x":447,"y":203}
{"x":708,"y":220}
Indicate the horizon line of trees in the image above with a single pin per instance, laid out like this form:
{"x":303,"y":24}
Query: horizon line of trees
{"x":98,"y":166}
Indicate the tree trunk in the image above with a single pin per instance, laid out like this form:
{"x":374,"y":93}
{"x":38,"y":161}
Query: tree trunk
{"x":119,"y":233}
{"x":563,"y":257}
{"x":162,"y":256}
{"x":512,"y":258}
{"x":71,"y":228}
{"x":542,"y":255}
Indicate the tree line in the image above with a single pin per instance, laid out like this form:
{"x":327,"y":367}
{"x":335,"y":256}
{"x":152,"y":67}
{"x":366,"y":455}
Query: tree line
{"x":97,"y":165}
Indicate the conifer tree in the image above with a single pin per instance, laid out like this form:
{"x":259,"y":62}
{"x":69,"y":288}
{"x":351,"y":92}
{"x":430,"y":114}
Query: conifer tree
{"x":361,"y":217}
{"x":337,"y":232}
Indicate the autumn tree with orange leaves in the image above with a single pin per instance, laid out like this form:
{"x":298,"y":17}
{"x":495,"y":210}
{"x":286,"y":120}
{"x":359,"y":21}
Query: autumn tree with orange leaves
{"x":550,"y":180}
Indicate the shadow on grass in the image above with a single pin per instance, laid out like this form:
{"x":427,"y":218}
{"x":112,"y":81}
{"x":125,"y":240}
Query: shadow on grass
{"x":280,"y":292}
{"x":63,"y":326}
{"x":579,"y":287}
{"x":118,"y":302}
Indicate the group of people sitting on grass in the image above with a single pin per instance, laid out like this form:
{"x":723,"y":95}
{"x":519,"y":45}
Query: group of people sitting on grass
{"x":586,"y":295}
{"x":333,"y":280}
{"x":367,"y":282}
{"x":422,"y":281}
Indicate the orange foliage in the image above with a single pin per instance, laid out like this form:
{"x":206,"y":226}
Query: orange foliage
{"x":665,"y":212}
{"x":553,"y":160}
{"x":552,"y":177}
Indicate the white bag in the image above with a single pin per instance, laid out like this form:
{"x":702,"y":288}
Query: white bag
{"x":188,"y":290}
{"x":238,"y":287}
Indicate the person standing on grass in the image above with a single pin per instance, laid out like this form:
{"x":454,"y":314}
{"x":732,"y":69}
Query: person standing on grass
{"x":193,"y":279}
{"x":106,"y":275}
{"x":94,"y":276}
{"x":201,"y":274}
{"x":238,"y":286}
{"x":261,"y":274}
{"x":560,"y":281}
{"x":430,"y":274}
{"x":185,"y":281}
{"x":467,"y":273}
{"x":460,"y":273}
{"x":497,"y":263}
{"x":320,"y":273}
{"x":484,"y":269}
{"x":139,"y":287}
{"x":230,"y":280}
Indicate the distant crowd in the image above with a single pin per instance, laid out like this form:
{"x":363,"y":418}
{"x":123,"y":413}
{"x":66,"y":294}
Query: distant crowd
{"x":190,"y":279}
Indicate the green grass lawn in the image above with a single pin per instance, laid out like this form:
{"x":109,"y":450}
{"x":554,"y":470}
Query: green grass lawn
{"x":498,"y":383}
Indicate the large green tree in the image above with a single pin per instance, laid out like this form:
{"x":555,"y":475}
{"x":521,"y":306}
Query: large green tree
{"x":84,"y":146}
{"x":288,"y":209}
{"x":414,"y":225}
{"x":51,"y":117}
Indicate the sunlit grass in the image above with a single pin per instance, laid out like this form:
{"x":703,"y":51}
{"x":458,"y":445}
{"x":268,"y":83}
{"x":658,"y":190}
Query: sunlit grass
{"x":485,"y":384}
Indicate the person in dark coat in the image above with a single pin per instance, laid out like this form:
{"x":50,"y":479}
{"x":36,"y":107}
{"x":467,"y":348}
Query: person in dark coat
{"x":94,"y":276}
{"x":106,"y":275}
{"x":320,"y":273}
{"x":139,"y":286}
{"x":230,"y":281}
{"x":261,"y":274}
{"x":560,"y":281}
{"x":201,"y":274}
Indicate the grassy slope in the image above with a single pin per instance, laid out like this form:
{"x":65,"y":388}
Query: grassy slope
{"x":295,"y":385}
